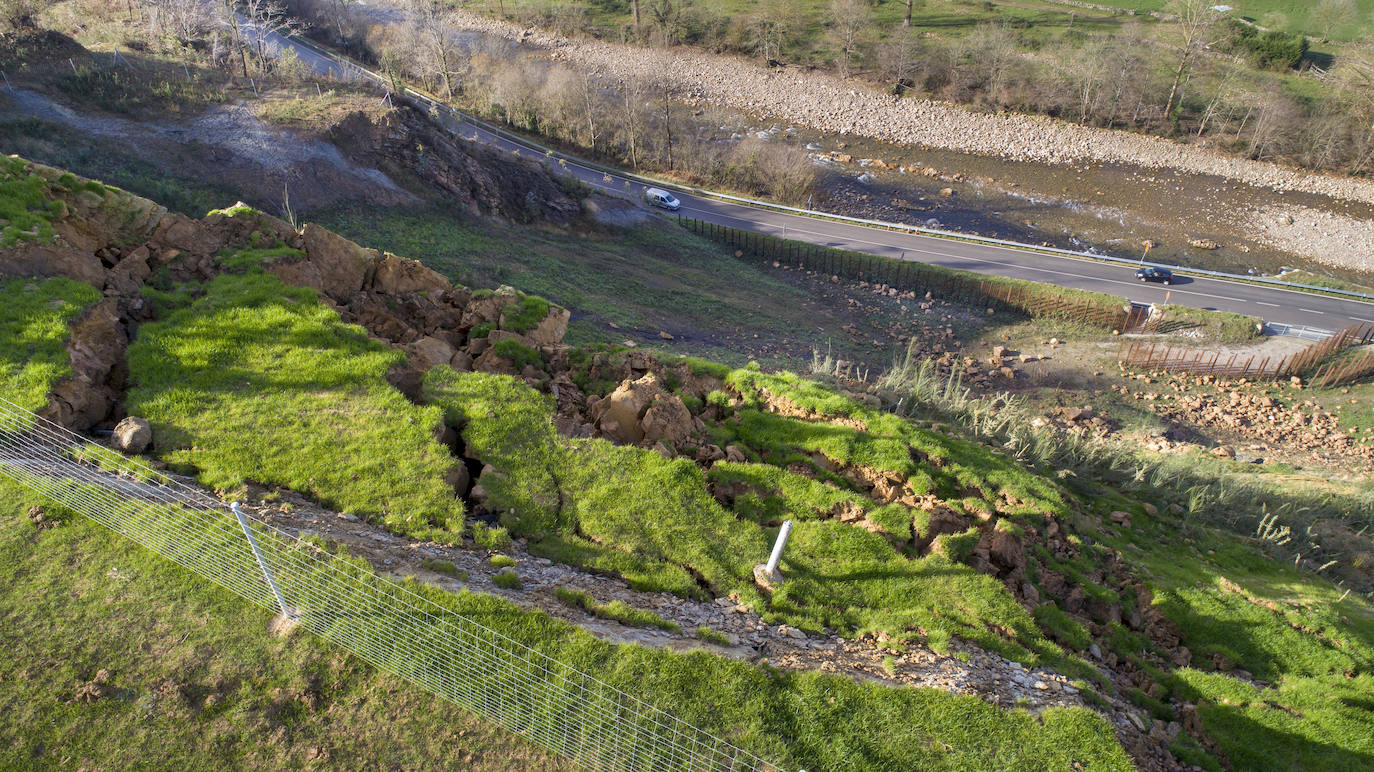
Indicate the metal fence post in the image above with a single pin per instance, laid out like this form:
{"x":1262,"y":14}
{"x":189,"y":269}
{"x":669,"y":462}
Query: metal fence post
{"x":257,"y":553}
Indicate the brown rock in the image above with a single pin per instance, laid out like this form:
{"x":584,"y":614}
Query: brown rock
{"x":96,"y":353}
{"x":333,"y":264}
{"x":643,"y":411}
{"x":132,"y":435}
{"x":432,"y":351}
{"x":735,"y":454}
{"x":551,"y":328}
{"x":401,"y":276}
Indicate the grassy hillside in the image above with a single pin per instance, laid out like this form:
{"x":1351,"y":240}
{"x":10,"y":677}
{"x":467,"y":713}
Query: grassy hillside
{"x":919,"y":520}
{"x":33,"y":328}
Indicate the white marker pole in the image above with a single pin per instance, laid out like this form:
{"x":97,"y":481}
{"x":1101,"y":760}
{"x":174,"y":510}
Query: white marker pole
{"x":777,"y":547}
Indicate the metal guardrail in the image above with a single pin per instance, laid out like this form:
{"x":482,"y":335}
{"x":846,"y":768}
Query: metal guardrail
{"x":757,"y":204}
{"x":395,"y":628}
{"x":1297,"y":331}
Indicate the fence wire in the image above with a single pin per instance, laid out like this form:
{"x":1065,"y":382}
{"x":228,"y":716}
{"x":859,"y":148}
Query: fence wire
{"x":595,"y":724}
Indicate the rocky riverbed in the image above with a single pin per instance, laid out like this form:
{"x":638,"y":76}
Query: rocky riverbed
{"x":1051,"y":181}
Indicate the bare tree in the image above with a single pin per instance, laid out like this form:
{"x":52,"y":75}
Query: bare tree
{"x":991,"y":50}
{"x":851,"y":28}
{"x":437,"y":51}
{"x":1354,"y":79}
{"x":1277,"y":119}
{"x":1223,"y":89}
{"x":898,"y":62}
{"x":906,"y":21}
{"x":1330,"y":14}
{"x":1197,"y":21}
{"x":185,"y":20}
{"x":769,"y":31}
{"x":1088,"y":72}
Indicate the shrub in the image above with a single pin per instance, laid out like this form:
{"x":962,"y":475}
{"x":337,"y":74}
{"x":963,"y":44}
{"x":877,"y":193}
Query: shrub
{"x":518,"y":353}
{"x":445,"y":567}
{"x":492,"y":537}
{"x":502,"y":561}
{"x":525,"y":315}
{"x":507,"y":580}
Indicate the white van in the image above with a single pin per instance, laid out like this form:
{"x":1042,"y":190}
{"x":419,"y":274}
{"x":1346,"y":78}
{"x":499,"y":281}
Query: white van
{"x":662,"y":198}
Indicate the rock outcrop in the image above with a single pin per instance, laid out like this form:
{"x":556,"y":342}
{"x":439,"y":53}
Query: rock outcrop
{"x":99,"y":374}
{"x":642,"y":412}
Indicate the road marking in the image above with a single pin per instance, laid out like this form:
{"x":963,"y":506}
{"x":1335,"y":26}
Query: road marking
{"x":1362,"y":319}
{"x":1271,"y":305}
{"x":1310,"y":311}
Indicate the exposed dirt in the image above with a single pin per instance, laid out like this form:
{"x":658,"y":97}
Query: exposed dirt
{"x":229,"y":143}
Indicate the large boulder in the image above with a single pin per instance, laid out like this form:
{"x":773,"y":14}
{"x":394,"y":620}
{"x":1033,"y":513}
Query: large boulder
{"x":401,"y":276}
{"x":642,"y":411}
{"x":551,"y":328}
{"x":332,"y":264}
{"x":432,"y":351}
{"x":132,"y":435}
{"x":31,"y":259}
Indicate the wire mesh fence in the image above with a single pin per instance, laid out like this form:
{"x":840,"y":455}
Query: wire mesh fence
{"x":391,"y":626}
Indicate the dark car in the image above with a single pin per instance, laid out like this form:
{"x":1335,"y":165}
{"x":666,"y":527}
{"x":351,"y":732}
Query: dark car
{"x":1155,"y":274}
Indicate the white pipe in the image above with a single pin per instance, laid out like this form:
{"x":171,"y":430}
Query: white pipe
{"x":777,"y":547}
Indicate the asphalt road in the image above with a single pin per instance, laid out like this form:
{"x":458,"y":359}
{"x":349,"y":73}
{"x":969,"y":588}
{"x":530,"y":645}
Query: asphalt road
{"x":1271,"y":304}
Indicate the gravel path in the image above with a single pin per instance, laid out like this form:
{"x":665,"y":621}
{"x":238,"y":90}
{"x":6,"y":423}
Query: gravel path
{"x":833,"y":105}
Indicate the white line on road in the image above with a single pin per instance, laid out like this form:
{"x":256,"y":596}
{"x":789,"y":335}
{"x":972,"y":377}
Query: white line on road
{"x":1271,"y":305}
{"x":1310,"y":311}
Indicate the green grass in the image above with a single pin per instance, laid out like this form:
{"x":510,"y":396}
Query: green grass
{"x":617,"y":610}
{"x":652,"y":520}
{"x":27,"y":210}
{"x":34,"y":322}
{"x":1307,"y":639}
{"x":445,"y":567}
{"x":705,"y":633}
{"x":192,"y":640}
{"x":502,"y":561}
{"x":967,"y":475}
{"x":257,"y":381}
{"x":507,"y":580}
{"x":1219,"y":326}
{"x":198,"y":683}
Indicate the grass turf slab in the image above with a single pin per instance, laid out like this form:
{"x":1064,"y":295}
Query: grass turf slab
{"x":256,"y":381}
{"x":34,"y":319}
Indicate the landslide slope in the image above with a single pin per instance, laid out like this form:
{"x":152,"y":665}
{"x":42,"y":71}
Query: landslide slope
{"x":297,"y":361}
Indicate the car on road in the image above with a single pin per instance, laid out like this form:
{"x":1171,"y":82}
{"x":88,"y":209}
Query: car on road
{"x":662,"y":198}
{"x":1161,"y":275}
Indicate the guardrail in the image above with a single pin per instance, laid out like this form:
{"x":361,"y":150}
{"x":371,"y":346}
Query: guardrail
{"x":392,"y":626}
{"x":757,"y":204}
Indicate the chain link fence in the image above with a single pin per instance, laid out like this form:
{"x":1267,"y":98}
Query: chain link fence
{"x":391,"y":626}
